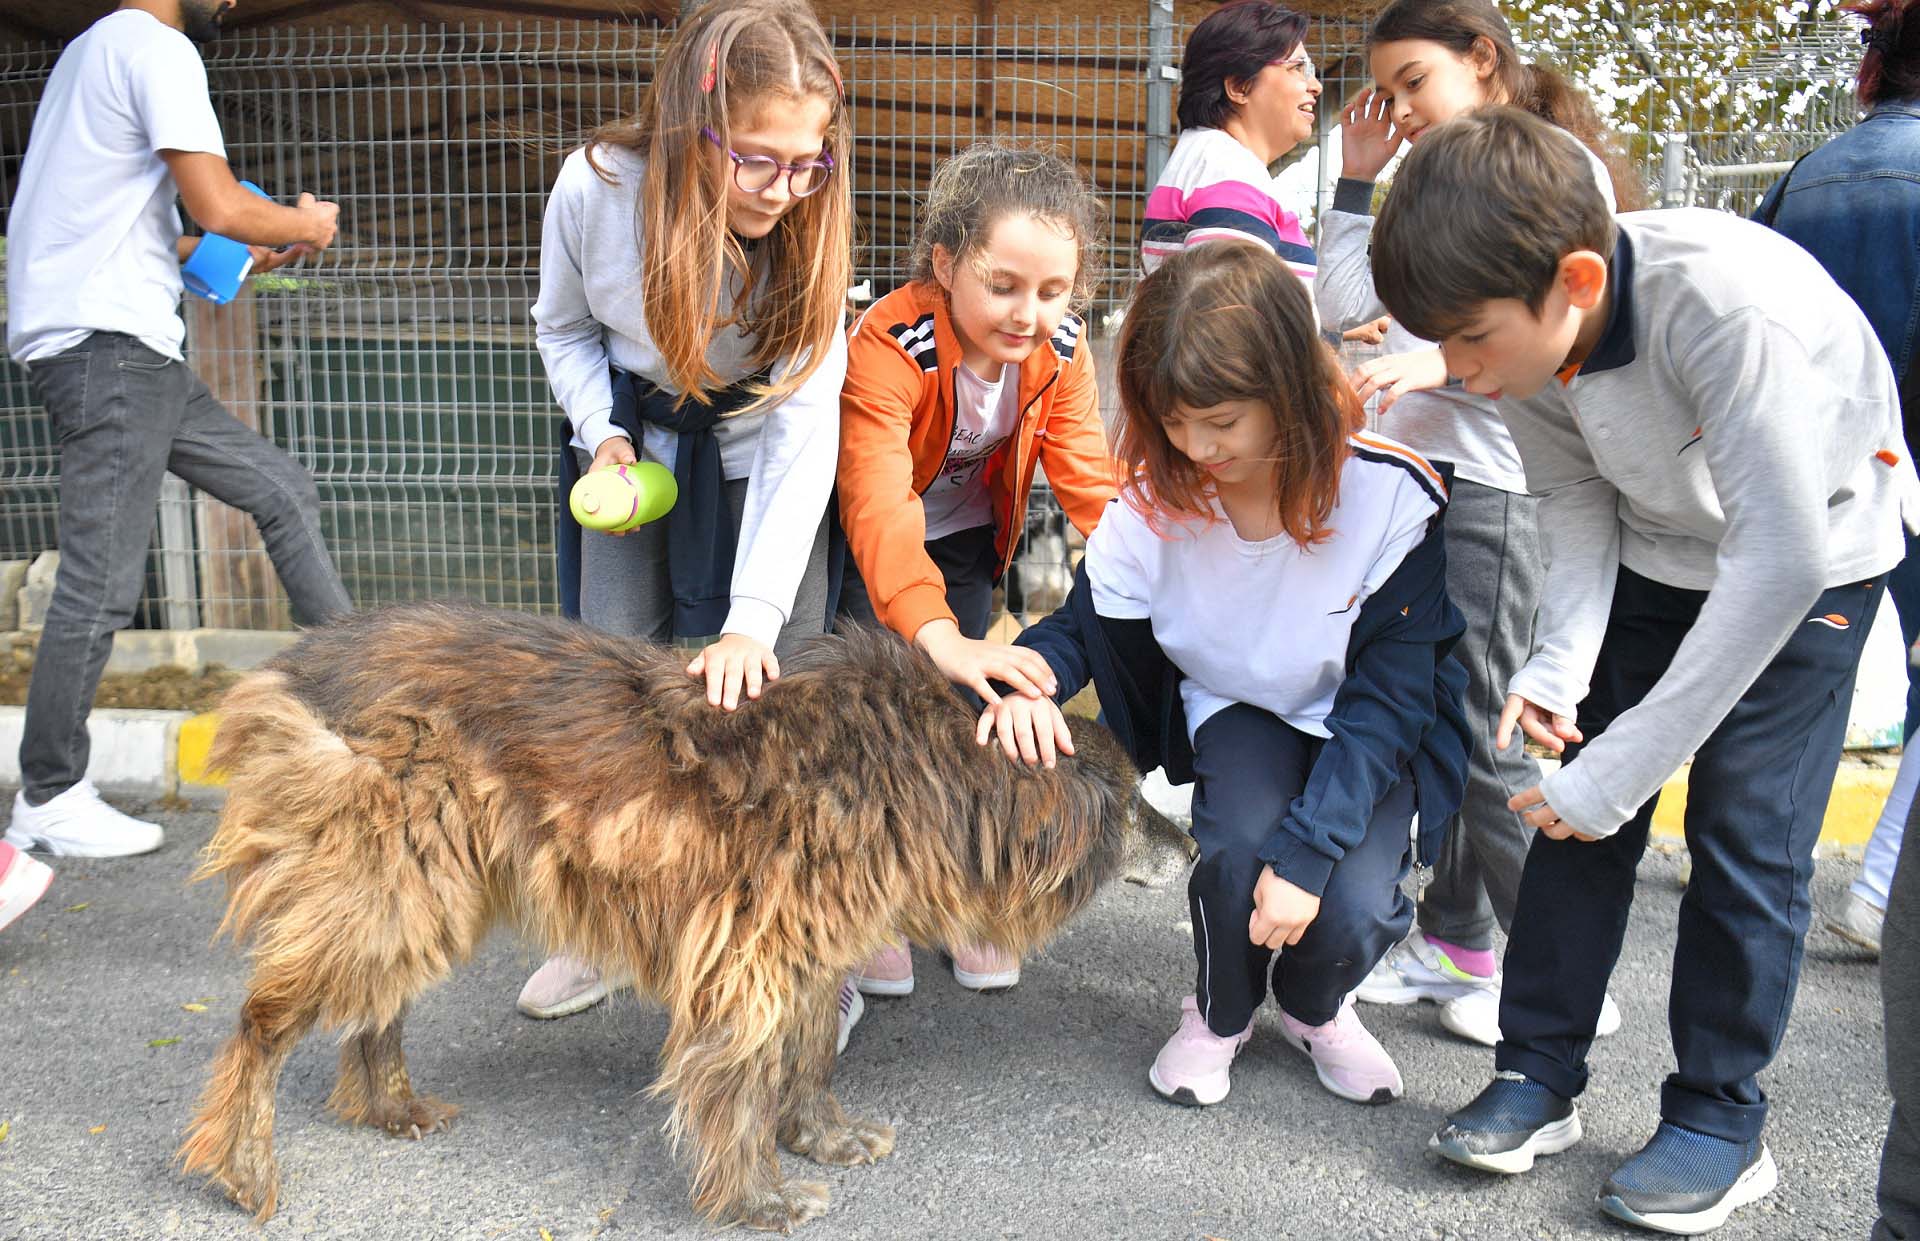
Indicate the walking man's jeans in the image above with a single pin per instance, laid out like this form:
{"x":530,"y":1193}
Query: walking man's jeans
{"x":1900,"y":991}
{"x":123,"y":417}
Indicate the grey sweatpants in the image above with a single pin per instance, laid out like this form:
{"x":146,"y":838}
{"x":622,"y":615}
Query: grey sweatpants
{"x":625,"y":588}
{"x":1494,"y":576}
{"x":1900,"y":993}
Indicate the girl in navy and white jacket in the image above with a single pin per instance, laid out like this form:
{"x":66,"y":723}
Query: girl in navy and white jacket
{"x":1264,"y":612}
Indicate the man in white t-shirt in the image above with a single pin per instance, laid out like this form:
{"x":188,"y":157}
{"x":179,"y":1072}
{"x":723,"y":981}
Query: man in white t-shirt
{"x":94,"y":248}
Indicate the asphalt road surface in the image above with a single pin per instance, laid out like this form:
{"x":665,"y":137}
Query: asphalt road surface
{"x":1024,"y":1114}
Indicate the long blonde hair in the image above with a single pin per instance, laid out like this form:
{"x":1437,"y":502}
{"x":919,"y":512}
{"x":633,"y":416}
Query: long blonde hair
{"x":792,"y":303}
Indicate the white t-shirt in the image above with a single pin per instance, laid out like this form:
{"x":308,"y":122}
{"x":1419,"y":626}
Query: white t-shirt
{"x":1265,"y":623}
{"x":91,"y":238}
{"x":984,"y":415}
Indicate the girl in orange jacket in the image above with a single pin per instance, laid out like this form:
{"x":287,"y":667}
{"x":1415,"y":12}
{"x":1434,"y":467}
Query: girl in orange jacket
{"x":958,"y":385}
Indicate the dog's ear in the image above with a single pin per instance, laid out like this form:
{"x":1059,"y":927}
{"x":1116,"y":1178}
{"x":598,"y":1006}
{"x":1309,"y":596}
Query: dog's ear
{"x":1070,"y":828}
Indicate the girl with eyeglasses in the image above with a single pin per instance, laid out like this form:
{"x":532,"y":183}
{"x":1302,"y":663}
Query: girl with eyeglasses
{"x":1247,"y":96}
{"x":960,"y":385}
{"x":694,"y":264}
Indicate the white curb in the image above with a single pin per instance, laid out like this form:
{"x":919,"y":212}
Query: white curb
{"x":135,"y":753}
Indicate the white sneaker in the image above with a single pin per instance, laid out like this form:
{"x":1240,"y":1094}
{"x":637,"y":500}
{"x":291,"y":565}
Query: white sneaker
{"x":1858,"y":921}
{"x":852,"y":1008}
{"x":1476,"y":1017}
{"x":23,"y":880}
{"x":78,"y":824}
{"x":1414,"y":969}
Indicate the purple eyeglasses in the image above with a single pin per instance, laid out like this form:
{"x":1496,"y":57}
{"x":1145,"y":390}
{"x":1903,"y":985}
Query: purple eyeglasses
{"x":754,"y":174}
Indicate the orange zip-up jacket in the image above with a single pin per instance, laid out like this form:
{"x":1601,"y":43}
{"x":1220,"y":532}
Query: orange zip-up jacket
{"x":896,"y":424}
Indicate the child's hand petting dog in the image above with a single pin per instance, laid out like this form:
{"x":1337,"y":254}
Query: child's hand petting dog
{"x":1032,"y":730}
{"x":729,"y":663}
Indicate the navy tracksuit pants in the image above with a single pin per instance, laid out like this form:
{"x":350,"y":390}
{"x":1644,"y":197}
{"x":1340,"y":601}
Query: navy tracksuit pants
{"x":1755,"y":801}
{"x":1249,"y":765}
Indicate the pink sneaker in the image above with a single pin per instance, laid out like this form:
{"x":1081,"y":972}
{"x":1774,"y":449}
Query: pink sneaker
{"x":565,"y":985}
{"x":1192,"y":1068}
{"x":984,"y":968}
{"x":23,"y":880}
{"x":1349,"y":1061}
{"x":887,"y":972}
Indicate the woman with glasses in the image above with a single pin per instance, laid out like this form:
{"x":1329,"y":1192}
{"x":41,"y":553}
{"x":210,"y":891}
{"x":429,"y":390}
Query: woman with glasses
{"x":694,"y":263}
{"x":1247,"y":96}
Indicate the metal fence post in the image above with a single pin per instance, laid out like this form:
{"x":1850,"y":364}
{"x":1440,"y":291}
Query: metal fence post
{"x":1161,"y":75}
{"x":1673,"y":170}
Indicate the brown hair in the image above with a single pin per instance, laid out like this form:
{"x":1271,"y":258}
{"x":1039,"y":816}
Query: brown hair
{"x":1232,"y":44}
{"x":1229,"y":321}
{"x":1890,"y":67}
{"x":974,"y":190}
{"x":1460,"y":25}
{"x":1484,"y":208}
{"x":747,"y":51}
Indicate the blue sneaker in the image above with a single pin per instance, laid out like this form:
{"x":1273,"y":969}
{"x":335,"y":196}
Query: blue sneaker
{"x":1688,"y":1182}
{"x":1512,"y":1121}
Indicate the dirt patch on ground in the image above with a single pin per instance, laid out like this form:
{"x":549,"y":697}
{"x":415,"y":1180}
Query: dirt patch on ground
{"x":160,"y":689}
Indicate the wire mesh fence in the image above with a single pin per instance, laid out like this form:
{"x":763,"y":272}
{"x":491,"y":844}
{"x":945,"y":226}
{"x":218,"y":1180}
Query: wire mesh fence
{"x":401,"y":367}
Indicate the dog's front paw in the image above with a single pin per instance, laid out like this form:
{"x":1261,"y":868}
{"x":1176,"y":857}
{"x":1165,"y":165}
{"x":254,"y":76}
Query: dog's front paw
{"x":417,"y":1117}
{"x":855,"y":1142}
{"x":786,"y":1208}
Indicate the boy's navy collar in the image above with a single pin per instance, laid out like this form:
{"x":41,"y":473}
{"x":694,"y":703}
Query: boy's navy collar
{"x":1615,"y":347}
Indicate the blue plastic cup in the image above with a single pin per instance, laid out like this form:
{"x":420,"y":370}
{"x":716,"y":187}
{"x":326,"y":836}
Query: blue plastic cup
{"x":219,"y":265}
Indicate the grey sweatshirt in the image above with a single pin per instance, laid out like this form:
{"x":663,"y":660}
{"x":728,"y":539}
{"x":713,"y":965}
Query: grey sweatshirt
{"x":1736,"y":430}
{"x":590,"y":314}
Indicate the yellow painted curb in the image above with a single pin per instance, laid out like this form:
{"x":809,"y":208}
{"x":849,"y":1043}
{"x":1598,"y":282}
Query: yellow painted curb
{"x":1852,"y":810}
{"x":196,"y":739}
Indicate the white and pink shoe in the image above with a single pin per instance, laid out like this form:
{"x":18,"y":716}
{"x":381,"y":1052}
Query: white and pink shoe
{"x":887,"y":972}
{"x":23,"y":880}
{"x":1348,"y":1060}
{"x":1192,"y":1068}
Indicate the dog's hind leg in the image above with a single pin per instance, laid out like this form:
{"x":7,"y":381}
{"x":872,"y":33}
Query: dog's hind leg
{"x":231,"y":1138}
{"x":374,"y":1089}
{"x":811,"y":1122}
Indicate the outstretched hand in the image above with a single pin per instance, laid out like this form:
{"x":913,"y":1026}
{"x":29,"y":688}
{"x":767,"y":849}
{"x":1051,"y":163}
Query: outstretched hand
{"x":977,"y":663}
{"x":1031,"y":730}
{"x":1536,"y":813}
{"x":731,"y":663}
{"x":1397,"y":374}
{"x":1550,"y":730}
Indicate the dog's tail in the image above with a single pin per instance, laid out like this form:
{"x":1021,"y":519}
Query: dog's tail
{"x":289,"y":778}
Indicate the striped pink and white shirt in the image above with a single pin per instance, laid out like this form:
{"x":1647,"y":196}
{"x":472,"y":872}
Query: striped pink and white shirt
{"x":1215,"y":188}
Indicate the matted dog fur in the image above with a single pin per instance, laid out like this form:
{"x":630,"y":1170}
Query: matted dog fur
{"x":400,"y":781}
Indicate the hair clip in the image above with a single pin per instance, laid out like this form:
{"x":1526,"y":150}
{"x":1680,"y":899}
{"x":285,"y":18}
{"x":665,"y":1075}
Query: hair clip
{"x":833,"y":67}
{"x":712,"y":74}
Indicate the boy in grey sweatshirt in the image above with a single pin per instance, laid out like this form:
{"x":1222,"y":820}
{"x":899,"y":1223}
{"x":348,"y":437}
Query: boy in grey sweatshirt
{"x":1714,"y":435}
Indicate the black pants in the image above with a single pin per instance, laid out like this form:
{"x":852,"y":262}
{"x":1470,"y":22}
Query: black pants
{"x":1249,"y":765}
{"x":1900,"y":992}
{"x":966,"y":561}
{"x":1755,"y":801}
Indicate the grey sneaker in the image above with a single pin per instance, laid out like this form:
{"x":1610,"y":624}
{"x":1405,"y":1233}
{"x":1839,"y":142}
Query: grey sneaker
{"x":1858,"y":921}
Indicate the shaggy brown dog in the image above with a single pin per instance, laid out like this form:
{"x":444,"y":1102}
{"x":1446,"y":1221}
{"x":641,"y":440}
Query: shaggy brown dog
{"x":403,"y":779}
